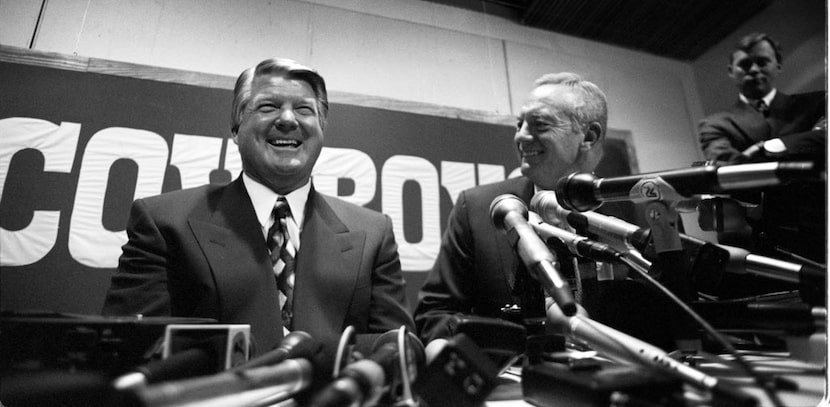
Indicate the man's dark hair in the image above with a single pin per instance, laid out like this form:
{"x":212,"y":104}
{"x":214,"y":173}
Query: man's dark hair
{"x":748,"y":41}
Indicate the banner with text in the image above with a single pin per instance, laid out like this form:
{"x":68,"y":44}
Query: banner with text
{"x":76,"y":148}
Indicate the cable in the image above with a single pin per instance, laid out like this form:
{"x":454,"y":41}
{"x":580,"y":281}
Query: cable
{"x":766,"y":385}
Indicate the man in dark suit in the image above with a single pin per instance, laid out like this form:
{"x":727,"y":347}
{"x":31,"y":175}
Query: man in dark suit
{"x":767,"y":125}
{"x":561,"y":130}
{"x":204,"y":252}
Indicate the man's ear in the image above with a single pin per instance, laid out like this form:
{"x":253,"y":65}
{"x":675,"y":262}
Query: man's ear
{"x":593,"y":134}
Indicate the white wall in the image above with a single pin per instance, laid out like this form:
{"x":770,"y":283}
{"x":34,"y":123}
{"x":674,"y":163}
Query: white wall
{"x":406,"y":50}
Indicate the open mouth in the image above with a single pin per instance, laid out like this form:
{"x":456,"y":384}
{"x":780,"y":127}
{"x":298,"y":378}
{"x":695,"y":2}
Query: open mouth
{"x":529,"y":152}
{"x":285,"y":143}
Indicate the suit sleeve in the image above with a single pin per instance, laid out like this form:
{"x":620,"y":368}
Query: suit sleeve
{"x":139,"y":285}
{"x":445,"y":291}
{"x":715,"y":141}
{"x":805,"y":145}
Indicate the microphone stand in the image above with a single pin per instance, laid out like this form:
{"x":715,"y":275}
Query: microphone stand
{"x":671,"y":269}
{"x":662,"y":216}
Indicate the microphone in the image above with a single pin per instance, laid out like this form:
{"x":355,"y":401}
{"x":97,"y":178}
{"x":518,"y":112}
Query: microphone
{"x":199,"y":360}
{"x":295,"y":345}
{"x":397,"y":357}
{"x":798,"y":318}
{"x":584,"y":191}
{"x":811,"y":279}
{"x":509,"y":214}
{"x":274,"y":383}
{"x":576,"y":244}
{"x":502,"y":341}
{"x":626,"y":349}
{"x":705,"y":255}
{"x":546,"y":205}
{"x":460,"y":374}
{"x":742,"y":261}
{"x":298,"y":347}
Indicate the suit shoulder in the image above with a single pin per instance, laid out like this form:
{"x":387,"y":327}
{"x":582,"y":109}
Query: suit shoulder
{"x":810,"y":98}
{"x":819,"y":94}
{"x":719,"y":115}
{"x":182,"y":197}
{"x":342,"y":206}
{"x":722,"y":115}
{"x":516,"y":186}
{"x":479,"y":198}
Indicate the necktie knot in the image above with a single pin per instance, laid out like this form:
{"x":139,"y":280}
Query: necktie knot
{"x":281,"y":209}
{"x":277,"y":233}
{"x":761,"y":107}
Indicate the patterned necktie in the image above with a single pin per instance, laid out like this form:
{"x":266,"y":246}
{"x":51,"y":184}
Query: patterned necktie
{"x":282,"y":259}
{"x":761,"y":107}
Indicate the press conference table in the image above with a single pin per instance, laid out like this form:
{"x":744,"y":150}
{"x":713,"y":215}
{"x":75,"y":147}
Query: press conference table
{"x":810,"y":378}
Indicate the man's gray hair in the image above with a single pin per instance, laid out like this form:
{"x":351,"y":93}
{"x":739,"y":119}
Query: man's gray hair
{"x":277,"y":66}
{"x":595,"y":108}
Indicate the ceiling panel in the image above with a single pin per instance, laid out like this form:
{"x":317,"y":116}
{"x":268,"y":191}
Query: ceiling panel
{"x":677,"y":29}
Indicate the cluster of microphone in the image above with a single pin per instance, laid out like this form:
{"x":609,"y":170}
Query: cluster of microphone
{"x":462,"y":370}
{"x":401,"y":371}
{"x":564,"y":221}
{"x":510,"y":214}
{"x":396,"y":371}
{"x":586,"y":192}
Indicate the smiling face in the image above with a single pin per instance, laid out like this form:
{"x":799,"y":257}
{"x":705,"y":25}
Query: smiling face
{"x":754,"y":71}
{"x":280,"y":135}
{"x":550,"y":144}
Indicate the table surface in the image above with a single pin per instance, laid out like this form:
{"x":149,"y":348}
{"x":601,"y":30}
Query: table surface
{"x":810,"y":378}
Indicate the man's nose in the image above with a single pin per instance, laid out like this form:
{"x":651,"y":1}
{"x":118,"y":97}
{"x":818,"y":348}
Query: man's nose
{"x":754,"y":67}
{"x":522,"y":135}
{"x":286,"y":121}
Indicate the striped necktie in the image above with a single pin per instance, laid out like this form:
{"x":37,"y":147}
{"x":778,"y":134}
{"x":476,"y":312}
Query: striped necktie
{"x":282,"y":259}
{"x":761,"y":107}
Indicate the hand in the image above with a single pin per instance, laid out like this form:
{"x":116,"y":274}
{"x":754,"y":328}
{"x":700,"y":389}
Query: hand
{"x":762,"y":150}
{"x":752,"y":153}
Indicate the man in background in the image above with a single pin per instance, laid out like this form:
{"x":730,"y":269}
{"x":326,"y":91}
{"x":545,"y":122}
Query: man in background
{"x":267,"y":249}
{"x":561,"y":130}
{"x":766,"y":124}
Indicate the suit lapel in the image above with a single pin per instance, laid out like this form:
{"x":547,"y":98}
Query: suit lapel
{"x":328,"y":267}
{"x":231,"y":239}
{"x":751,"y":124}
{"x":779,"y":113}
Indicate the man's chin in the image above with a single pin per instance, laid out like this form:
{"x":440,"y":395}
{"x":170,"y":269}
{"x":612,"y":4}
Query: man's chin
{"x":755,"y":90}
{"x":537,"y":178}
{"x":526,"y":169}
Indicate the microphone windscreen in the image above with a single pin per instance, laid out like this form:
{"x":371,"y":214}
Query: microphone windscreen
{"x":415,"y":348}
{"x":433,"y":348}
{"x":460,"y":375}
{"x":504,"y":204}
{"x":499,"y":339}
{"x":197,"y":361}
{"x":295,"y":345}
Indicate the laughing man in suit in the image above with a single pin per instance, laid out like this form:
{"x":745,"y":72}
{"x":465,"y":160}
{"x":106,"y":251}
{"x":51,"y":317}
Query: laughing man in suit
{"x":561,"y":130}
{"x":203,"y":252}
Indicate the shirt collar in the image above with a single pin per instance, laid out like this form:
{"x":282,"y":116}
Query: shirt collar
{"x":263,"y":199}
{"x":767,"y":99}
